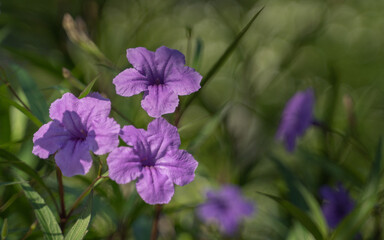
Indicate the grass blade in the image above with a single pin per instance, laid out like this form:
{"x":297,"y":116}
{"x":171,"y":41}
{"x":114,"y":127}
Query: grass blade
{"x":47,"y":220}
{"x":87,"y":89}
{"x":218,"y":64}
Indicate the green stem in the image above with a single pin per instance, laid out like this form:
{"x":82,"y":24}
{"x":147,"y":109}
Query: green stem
{"x":155,"y":225}
{"x":63,"y":214}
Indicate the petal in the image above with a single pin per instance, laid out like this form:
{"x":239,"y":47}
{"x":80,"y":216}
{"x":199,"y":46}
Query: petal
{"x":143,"y":61}
{"x":137,"y":139}
{"x":179,"y":167}
{"x":74,"y":158}
{"x":49,"y":138}
{"x":183,"y":81}
{"x":167,"y":60}
{"x":88,"y":108}
{"x":153,"y":187}
{"x":130,"y":82}
{"x":124,"y":165}
{"x":159,"y":100}
{"x":162,"y":137}
{"x":103,"y":136}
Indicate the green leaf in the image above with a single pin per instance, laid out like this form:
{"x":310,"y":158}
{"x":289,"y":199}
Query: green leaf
{"x":314,"y":207}
{"x":15,"y":162}
{"x":85,"y":92}
{"x":5,"y":122}
{"x":79,"y":229}
{"x":298,"y":214}
{"x":47,"y":220}
{"x":4,"y":230}
{"x":9,"y":183}
{"x":37,"y":102}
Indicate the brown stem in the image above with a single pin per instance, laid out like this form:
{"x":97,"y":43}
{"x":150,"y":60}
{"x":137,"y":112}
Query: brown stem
{"x":81,"y":197}
{"x":155,"y":225}
{"x":63,"y":214}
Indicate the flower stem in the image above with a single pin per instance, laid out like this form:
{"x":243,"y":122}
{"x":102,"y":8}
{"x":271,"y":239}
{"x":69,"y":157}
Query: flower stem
{"x":155,"y":224}
{"x":63,"y":214}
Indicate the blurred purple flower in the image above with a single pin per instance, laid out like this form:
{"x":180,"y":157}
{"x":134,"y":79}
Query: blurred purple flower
{"x":225,"y":207}
{"x":297,"y":117}
{"x":154,"y":160}
{"x":337,"y":204}
{"x":77,"y":127}
{"x":161,"y":75}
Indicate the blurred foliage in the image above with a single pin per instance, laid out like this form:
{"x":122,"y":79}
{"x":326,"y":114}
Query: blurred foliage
{"x":49,"y":47}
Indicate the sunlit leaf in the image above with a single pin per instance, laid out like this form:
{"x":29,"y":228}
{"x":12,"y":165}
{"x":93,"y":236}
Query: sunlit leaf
{"x":47,"y":220}
{"x":79,"y":229}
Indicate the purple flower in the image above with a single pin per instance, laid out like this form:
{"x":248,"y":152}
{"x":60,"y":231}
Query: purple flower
{"x":154,"y":160}
{"x":161,"y":75}
{"x":297,"y":117}
{"x":337,"y":204}
{"x":77,"y":127}
{"x":226,"y":207}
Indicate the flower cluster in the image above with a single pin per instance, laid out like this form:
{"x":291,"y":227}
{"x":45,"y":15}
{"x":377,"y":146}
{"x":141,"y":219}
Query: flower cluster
{"x":79,"y":126}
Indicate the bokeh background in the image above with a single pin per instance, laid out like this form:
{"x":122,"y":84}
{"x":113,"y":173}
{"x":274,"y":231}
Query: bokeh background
{"x":48,"y":47}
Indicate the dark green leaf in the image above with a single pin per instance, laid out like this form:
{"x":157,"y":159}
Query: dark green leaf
{"x":299,"y":215}
{"x":47,"y":220}
{"x":35,"y":98}
{"x":4,"y":230}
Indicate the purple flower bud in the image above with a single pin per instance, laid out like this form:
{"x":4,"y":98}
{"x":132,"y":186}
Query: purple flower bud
{"x":337,"y":204}
{"x":297,"y":117}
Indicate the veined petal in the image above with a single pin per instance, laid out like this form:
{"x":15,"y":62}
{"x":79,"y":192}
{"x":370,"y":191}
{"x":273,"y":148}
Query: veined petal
{"x":130,"y":82}
{"x":153,"y":187}
{"x":167,"y":60}
{"x":183,"y":80}
{"x":49,"y":138}
{"x":74,"y":158}
{"x":143,"y":61}
{"x":179,"y":167}
{"x":162,"y":137}
{"x":92,"y":106}
{"x":124,"y":165}
{"x":103,"y":136}
{"x":137,"y":138}
{"x":159,"y":100}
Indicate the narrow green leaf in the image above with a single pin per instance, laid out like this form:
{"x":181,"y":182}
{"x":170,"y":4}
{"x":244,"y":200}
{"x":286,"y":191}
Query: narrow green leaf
{"x":47,"y":220}
{"x":219,"y":63}
{"x":298,"y":214}
{"x":15,"y":162}
{"x":38,"y":104}
{"x":5,"y":122}
{"x":314,"y":207}
{"x":350,"y":225}
{"x":79,"y":229}
{"x":85,"y":92}
{"x":4,"y":230}
{"x":9,"y":183}
{"x":22,"y":109}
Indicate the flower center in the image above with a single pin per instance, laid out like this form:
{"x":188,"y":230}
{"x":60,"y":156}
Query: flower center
{"x":147,"y":162}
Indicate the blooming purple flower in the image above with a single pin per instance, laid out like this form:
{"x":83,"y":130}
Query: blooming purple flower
{"x":161,"y":75}
{"x":226,"y":207}
{"x":337,"y":204}
{"x":297,"y":117}
{"x":77,"y":127}
{"x":154,"y":160}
